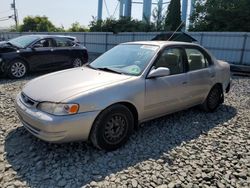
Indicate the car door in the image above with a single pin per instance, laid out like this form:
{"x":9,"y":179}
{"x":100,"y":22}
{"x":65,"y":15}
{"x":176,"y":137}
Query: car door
{"x":167,"y":94}
{"x":63,"y":52}
{"x":41,"y":56}
{"x":201,"y":74}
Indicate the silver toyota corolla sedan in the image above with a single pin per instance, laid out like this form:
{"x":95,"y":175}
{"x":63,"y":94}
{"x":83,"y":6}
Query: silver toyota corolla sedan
{"x":134,"y":82}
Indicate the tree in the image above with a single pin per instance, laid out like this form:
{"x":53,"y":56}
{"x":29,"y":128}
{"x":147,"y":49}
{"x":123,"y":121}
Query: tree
{"x":37,"y":24}
{"x":95,"y":25}
{"x":173,"y":18}
{"x":60,"y":29}
{"x":158,"y":20}
{"x":76,"y":27}
{"x":124,"y":24}
{"x":221,"y":15}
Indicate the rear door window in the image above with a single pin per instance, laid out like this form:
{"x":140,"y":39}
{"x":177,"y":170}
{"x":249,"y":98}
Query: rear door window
{"x":196,"y":59}
{"x":64,"y":42}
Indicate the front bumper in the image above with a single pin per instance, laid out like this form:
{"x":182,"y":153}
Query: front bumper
{"x":53,"y":128}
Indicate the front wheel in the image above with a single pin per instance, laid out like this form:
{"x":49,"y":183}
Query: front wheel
{"x":213,"y":100}
{"x":112,"y":128}
{"x":17,"y":69}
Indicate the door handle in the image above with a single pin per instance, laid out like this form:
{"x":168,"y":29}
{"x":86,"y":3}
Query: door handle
{"x":184,"y":82}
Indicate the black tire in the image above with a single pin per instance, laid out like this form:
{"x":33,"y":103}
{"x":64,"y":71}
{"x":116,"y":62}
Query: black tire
{"x":214,"y":99}
{"x":77,"y":62}
{"x":17,"y":69}
{"x":104,"y":134}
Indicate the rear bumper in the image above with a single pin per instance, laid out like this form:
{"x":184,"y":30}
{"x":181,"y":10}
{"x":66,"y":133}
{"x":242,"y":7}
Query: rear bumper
{"x":1,"y":65}
{"x":229,"y":86}
{"x":52,"y":128}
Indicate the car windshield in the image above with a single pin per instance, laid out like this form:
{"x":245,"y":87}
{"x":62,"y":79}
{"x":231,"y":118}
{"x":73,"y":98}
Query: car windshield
{"x":129,"y":59}
{"x":23,"y":41}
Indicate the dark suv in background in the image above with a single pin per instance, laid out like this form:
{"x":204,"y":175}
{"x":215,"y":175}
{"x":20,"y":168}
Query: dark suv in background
{"x":28,"y":53}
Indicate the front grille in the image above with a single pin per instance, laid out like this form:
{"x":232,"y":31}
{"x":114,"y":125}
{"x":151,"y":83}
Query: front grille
{"x":28,"y":101}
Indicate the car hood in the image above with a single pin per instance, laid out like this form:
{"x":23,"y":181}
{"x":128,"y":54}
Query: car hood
{"x":5,"y":48}
{"x":58,"y":86}
{"x":2,"y":43}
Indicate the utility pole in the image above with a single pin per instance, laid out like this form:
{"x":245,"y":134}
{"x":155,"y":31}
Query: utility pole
{"x":13,"y":6}
{"x":99,"y":13}
{"x":146,"y":14}
{"x":184,"y":8}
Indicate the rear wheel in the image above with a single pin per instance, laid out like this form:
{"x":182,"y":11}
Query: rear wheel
{"x":112,"y":128}
{"x":17,"y":69}
{"x":213,"y":100}
{"x":77,"y":62}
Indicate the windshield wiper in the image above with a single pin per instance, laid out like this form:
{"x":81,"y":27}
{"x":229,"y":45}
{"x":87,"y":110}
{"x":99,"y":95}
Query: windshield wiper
{"x":108,"y":70}
{"x":88,"y":65}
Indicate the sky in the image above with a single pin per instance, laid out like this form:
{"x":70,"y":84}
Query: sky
{"x":62,"y":12}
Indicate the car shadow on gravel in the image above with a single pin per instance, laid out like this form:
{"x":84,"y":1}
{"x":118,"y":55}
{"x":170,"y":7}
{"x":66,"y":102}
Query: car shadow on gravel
{"x":41,"y":164}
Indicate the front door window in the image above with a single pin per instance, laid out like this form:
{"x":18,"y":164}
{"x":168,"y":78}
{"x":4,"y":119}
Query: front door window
{"x":172,"y":59}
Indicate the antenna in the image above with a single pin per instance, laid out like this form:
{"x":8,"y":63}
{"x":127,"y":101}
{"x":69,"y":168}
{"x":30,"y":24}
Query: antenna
{"x":175,"y":31}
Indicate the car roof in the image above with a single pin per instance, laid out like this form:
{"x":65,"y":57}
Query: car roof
{"x":48,"y":36}
{"x":161,"y":43}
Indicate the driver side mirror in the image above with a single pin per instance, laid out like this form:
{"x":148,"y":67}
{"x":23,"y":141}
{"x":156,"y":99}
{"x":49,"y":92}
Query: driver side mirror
{"x":159,"y":72}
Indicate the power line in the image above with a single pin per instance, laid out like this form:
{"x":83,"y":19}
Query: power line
{"x":106,"y":8}
{"x":153,"y":3}
{"x":2,"y":12}
{"x":115,"y":8}
{"x":5,"y":19}
{"x":166,"y":5}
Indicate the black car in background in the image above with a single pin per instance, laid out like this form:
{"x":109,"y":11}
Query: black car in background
{"x":28,"y":53}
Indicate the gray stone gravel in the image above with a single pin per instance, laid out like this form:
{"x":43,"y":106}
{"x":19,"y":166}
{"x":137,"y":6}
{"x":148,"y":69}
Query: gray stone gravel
{"x":186,"y":149}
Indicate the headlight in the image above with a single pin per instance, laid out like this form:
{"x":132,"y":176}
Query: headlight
{"x":1,"y":59}
{"x":59,"y":109}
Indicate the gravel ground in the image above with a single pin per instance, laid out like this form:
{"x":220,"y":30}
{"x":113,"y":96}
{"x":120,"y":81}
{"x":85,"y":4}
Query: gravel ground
{"x":186,"y":149}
